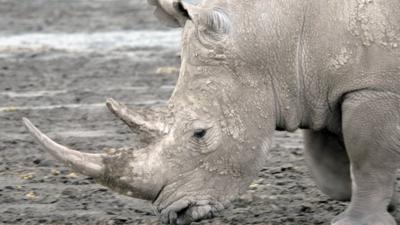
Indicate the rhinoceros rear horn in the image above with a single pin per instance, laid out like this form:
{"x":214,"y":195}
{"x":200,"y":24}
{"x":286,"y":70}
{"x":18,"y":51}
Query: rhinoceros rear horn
{"x":147,"y":121}
{"x":88,"y":164}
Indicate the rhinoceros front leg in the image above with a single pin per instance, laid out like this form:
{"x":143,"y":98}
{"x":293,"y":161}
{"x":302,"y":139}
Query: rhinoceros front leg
{"x":329,"y":164}
{"x":371,"y":129}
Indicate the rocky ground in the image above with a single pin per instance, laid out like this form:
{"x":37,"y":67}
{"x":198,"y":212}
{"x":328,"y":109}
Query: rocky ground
{"x":59,"y":60}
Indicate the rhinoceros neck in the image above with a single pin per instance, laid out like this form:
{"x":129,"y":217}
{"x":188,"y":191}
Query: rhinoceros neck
{"x":270,"y":35}
{"x":297,"y":67}
{"x":294,"y":44}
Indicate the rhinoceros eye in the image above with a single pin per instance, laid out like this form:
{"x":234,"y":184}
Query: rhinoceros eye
{"x":199,"y":133}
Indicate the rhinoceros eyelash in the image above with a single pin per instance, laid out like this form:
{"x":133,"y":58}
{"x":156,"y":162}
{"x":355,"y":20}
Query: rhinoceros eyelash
{"x":206,"y":144}
{"x":199,"y":133}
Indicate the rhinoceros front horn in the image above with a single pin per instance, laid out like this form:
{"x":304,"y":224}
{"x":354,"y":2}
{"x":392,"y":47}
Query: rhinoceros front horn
{"x":88,"y":164}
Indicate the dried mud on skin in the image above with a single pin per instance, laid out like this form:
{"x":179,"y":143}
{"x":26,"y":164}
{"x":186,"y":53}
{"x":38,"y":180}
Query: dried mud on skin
{"x":63,"y":93}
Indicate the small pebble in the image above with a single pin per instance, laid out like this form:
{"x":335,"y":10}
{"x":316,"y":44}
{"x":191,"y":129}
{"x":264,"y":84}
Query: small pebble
{"x":28,"y":176}
{"x":72,"y":174}
{"x":55,"y":172}
{"x":31,"y":195}
{"x":167,"y":70}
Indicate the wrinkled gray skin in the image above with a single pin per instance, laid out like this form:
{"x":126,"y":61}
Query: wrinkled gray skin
{"x":252,"y":67}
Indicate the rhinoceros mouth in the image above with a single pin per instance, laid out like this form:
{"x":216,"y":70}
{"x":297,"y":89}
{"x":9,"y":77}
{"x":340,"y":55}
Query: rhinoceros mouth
{"x":187,"y":210}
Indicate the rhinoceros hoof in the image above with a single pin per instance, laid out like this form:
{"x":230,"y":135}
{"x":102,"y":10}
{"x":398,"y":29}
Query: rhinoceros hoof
{"x":382,"y":218}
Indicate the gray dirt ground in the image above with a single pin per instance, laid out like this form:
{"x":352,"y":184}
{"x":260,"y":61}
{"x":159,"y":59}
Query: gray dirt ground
{"x":63,"y":93}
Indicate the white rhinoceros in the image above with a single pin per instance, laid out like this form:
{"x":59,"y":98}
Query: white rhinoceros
{"x":250,"y":67}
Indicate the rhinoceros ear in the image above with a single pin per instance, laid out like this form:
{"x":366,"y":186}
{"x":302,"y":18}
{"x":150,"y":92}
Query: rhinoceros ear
{"x":172,"y":12}
{"x":175,"y":13}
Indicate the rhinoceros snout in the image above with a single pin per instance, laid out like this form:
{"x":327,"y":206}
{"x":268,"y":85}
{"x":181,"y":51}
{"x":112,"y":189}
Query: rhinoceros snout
{"x":186,"y":211}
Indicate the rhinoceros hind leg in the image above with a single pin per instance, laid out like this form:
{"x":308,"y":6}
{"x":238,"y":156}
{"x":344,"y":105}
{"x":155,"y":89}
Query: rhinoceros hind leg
{"x":329,"y":164}
{"x":371,"y":130}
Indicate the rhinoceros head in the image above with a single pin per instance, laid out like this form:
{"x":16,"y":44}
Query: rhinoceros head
{"x":207,"y":144}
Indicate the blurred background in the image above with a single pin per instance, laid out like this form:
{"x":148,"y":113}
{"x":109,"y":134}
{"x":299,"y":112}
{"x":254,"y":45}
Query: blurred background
{"x":59,"y":60}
